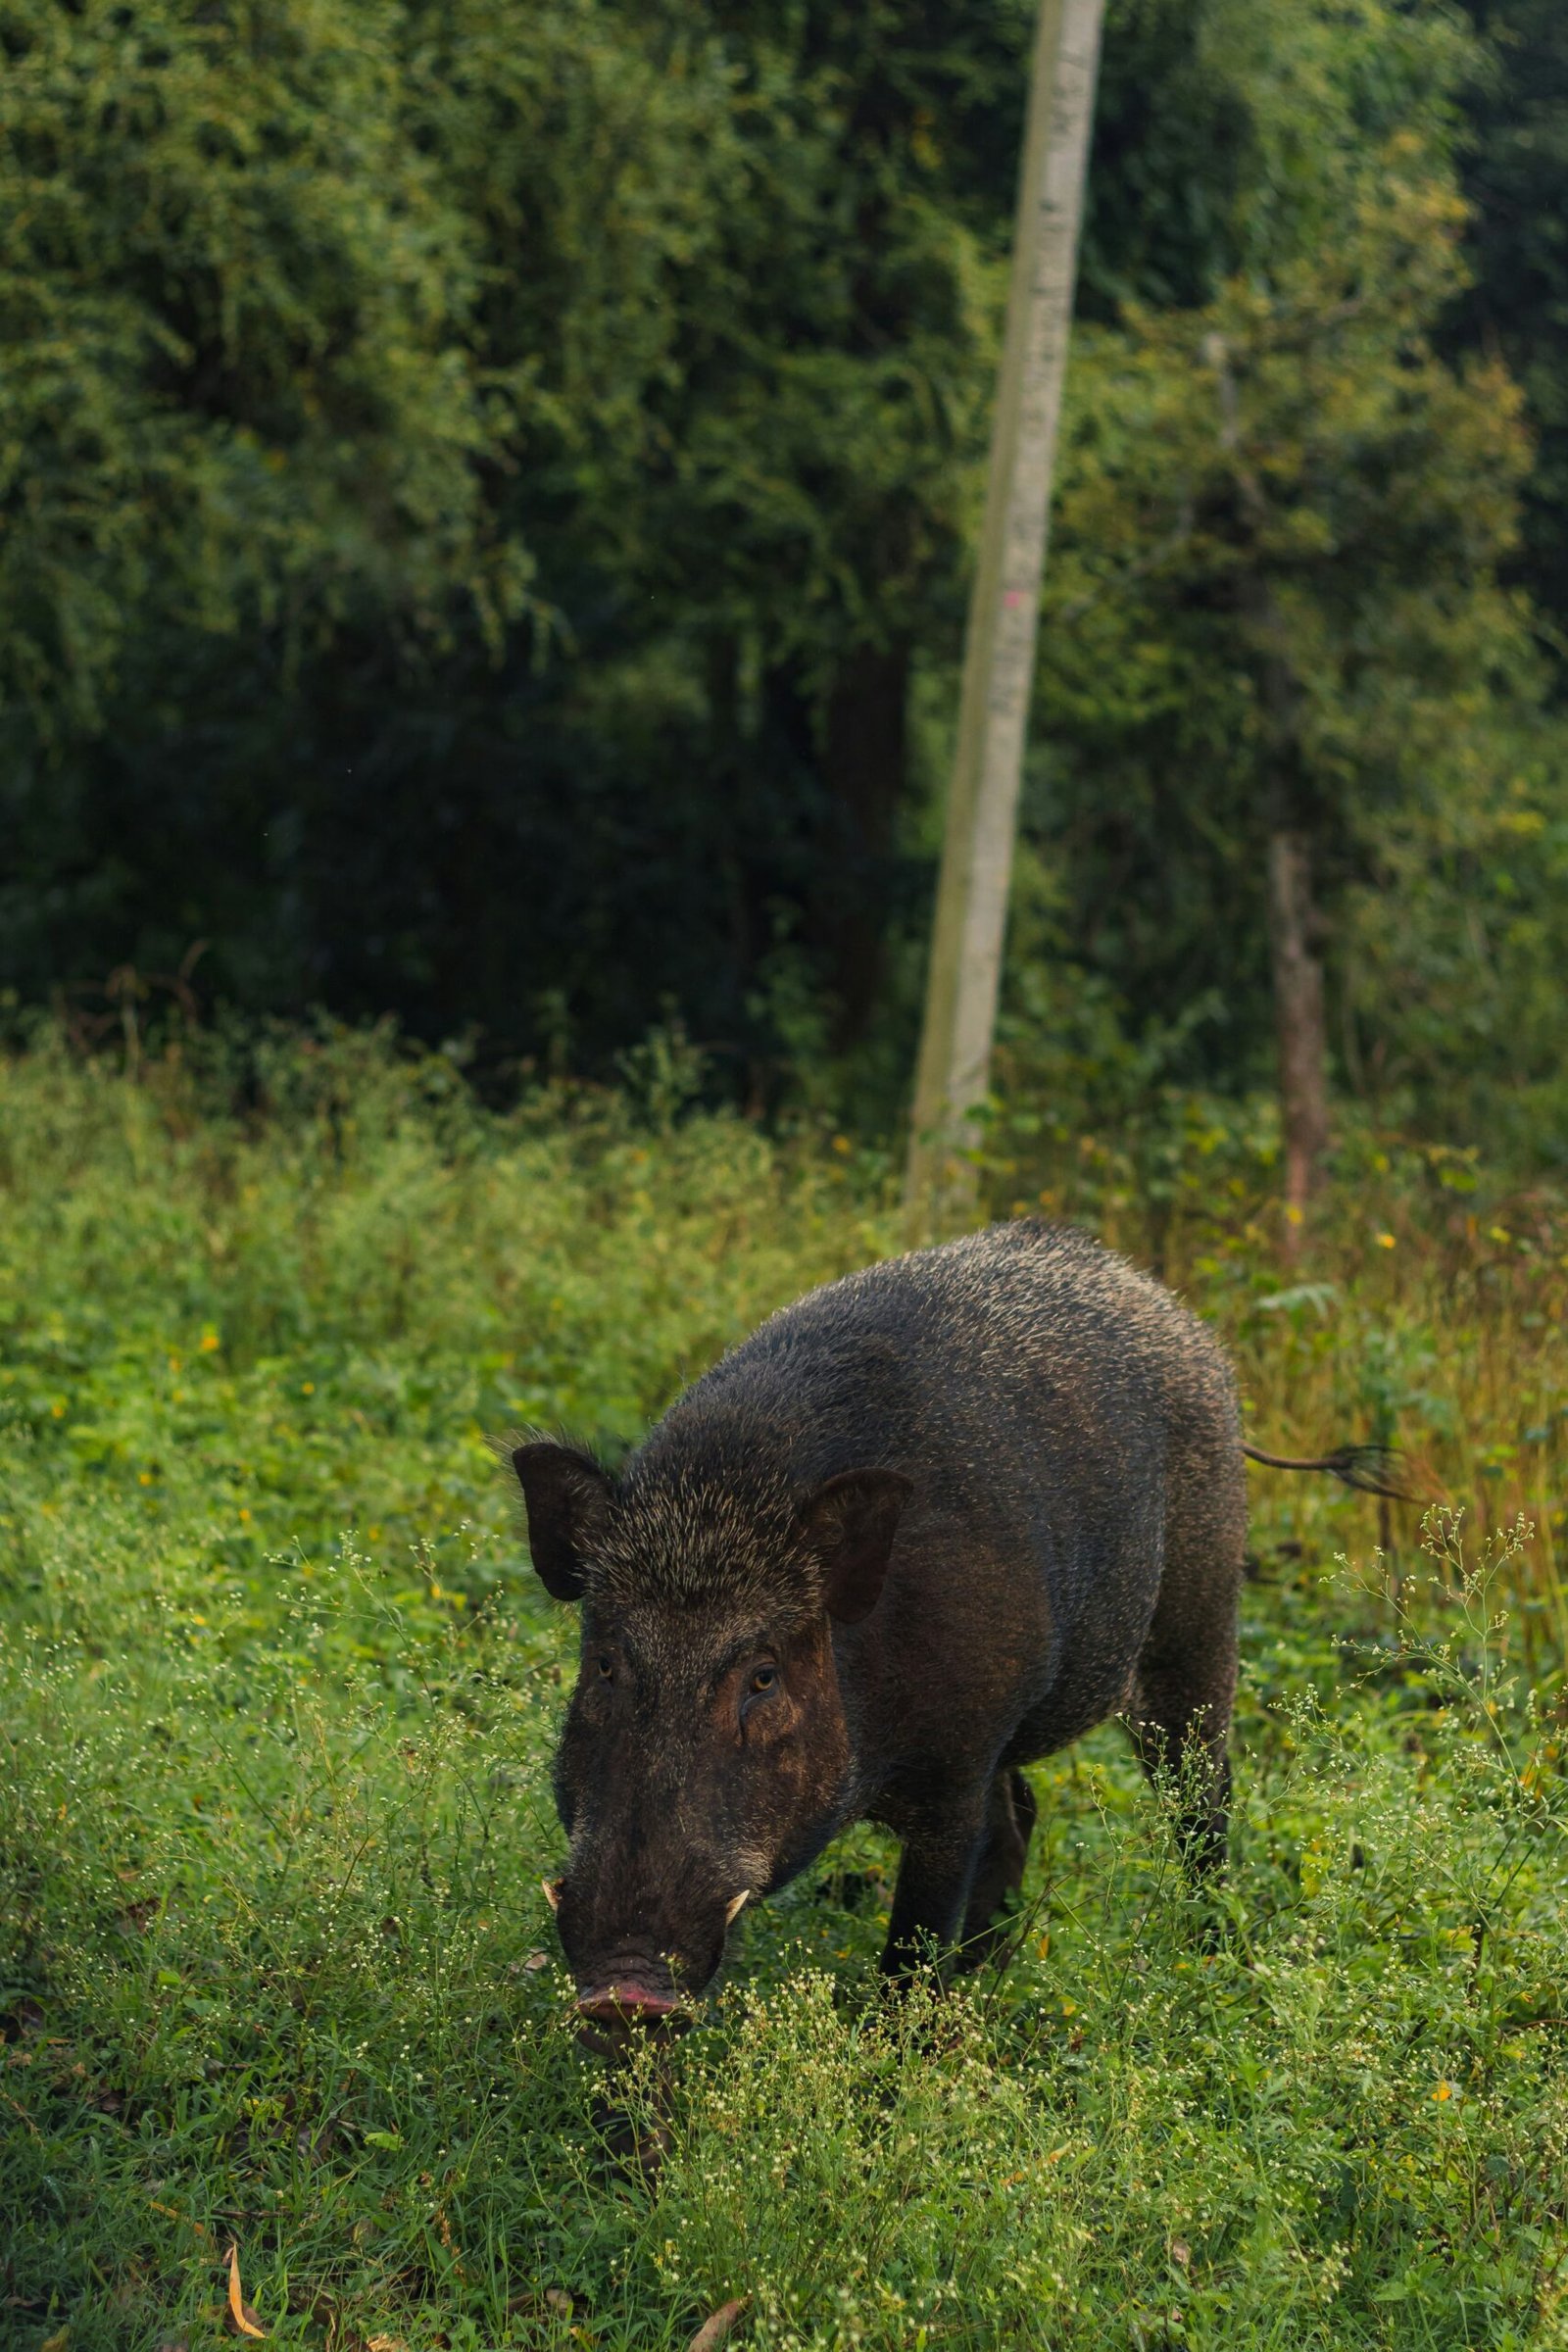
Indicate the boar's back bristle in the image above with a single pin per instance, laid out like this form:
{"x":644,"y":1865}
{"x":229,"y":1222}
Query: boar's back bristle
{"x":850,"y":1377}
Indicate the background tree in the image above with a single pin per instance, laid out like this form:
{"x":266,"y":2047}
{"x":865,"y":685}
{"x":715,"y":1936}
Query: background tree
{"x":1514,"y":160}
{"x":963,"y":966}
{"x":487,"y":492}
{"x":239,"y":391}
{"x":1282,"y":528}
{"x":669,"y":246}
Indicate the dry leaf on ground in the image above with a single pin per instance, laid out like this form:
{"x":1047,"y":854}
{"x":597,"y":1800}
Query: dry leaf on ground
{"x":243,"y":2318}
{"x":718,"y":2329}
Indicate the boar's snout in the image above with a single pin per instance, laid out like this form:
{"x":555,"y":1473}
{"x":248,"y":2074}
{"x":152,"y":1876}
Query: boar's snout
{"x":650,"y":1977}
{"x":634,"y":1993}
{"x":626,"y":2001}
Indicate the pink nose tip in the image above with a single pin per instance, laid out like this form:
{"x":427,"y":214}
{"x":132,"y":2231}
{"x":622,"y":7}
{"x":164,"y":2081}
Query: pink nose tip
{"x":626,"y":2002}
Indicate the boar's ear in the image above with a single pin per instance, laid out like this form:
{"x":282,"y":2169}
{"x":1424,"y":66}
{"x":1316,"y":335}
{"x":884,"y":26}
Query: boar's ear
{"x":566,"y":1494}
{"x":850,"y":1524}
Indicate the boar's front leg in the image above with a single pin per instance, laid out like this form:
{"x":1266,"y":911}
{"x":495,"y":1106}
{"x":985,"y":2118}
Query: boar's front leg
{"x":999,"y":1873}
{"x":944,"y":1839}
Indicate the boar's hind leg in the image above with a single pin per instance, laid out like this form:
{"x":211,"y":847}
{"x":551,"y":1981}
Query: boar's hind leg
{"x":999,"y":1873}
{"x":1183,"y":1684}
{"x":1180,"y":1718}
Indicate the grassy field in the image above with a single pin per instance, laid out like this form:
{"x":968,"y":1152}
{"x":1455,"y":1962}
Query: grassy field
{"x":279,"y":1690}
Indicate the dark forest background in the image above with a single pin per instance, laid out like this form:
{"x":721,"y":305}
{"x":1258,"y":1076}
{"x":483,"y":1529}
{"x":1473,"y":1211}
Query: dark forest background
{"x":485,"y":494}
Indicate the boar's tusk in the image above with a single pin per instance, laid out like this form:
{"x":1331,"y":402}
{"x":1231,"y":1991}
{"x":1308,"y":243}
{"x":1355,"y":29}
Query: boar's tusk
{"x":732,"y":1908}
{"x":551,"y":1889}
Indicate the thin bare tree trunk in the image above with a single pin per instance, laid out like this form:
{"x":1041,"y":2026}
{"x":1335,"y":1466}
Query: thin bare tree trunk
{"x":1295,"y":928}
{"x":971,"y":911}
{"x":1300,"y":1022}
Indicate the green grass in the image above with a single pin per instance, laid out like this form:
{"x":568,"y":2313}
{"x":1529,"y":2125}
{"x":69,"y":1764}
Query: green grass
{"x":278,"y":1694}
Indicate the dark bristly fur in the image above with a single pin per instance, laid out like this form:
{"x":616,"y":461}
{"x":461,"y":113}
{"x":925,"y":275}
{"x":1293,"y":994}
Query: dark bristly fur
{"x":929,"y":1523}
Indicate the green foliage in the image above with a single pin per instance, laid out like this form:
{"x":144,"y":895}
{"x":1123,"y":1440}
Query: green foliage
{"x":239,"y":393}
{"x":510,"y":473}
{"x":1516,"y":158}
{"x":1298,"y":429}
{"x":274,"y":1969}
{"x":1471,"y":960}
{"x":496,"y":537}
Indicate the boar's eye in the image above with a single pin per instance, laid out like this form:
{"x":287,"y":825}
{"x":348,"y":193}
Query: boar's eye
{"x":607,"y":1666}
{"x":764,"y":1680}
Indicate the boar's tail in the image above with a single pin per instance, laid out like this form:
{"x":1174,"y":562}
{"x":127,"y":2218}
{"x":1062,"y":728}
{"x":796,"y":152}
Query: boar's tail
{"x":1369,"y":1469}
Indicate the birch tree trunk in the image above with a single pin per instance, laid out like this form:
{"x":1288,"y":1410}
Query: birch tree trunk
{"x":971,"y":909}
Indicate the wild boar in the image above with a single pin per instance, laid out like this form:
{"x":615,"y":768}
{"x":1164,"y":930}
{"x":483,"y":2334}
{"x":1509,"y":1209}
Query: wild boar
{"x":931,"y":1522}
